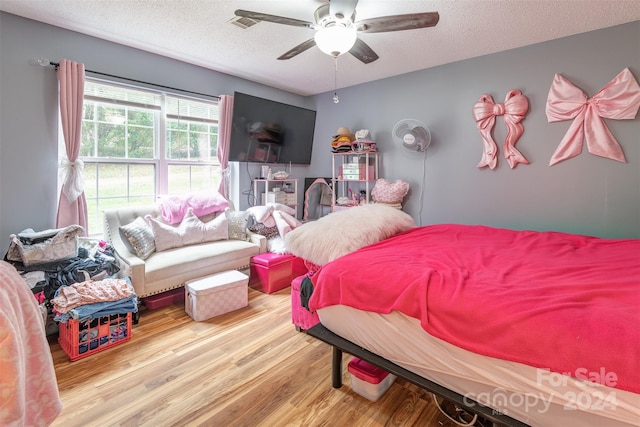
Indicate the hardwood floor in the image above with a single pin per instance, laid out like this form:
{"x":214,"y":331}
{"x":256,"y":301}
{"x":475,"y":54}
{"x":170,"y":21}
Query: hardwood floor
{"x":249,"y":367}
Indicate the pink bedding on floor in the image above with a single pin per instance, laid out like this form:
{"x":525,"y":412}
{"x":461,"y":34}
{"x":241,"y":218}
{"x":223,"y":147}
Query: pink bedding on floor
{"x":28,"y":388}
{"x":556,"y":301}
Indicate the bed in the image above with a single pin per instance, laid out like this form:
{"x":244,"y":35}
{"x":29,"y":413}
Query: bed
{"x":28,"y":388}
{"x":542,"y":327}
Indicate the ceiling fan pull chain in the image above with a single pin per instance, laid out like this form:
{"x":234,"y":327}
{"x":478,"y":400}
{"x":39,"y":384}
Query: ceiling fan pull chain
{"x":335,"y":82}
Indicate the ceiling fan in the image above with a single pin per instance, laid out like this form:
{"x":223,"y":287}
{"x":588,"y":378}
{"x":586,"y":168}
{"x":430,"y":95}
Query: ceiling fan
{"x":336,"y":28}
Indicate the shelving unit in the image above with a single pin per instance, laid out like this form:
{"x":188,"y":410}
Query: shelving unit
{"x":353,"y":174}
{"x":283,"y":191}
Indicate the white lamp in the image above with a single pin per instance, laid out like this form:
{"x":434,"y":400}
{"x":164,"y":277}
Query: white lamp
{"x":335,"y":40}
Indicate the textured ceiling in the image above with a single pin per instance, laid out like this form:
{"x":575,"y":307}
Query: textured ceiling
{"x":199,"y":32}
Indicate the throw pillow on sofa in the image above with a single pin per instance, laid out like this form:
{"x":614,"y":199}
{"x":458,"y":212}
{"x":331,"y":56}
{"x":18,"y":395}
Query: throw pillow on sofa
{"x":237,"y":224}
{"x":140,"y":237}
{"x":268,"y":232}
{"x":191,"y":231}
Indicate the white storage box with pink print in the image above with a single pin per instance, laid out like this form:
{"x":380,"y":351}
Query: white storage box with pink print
{"x":216,"y":294}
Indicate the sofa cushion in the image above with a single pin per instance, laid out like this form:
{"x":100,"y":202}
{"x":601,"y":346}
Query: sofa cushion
{"x":188,"y":259}
{"x":139,"y":234}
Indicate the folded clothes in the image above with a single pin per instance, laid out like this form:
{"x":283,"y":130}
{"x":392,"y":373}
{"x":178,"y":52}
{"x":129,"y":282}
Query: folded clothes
{"x":99,"y":309}
{"x":89,"y":292}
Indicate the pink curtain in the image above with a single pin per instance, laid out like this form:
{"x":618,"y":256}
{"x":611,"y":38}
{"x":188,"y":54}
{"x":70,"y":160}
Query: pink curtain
{"x":72,"y":205}
{"x":224,"y":136}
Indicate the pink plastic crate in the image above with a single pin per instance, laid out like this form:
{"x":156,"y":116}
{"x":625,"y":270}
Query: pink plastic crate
{"x":82,"y":339}
{"x":300,"y":316}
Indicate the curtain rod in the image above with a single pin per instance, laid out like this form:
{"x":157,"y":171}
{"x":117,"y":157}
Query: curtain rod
{"x":45,"y":63}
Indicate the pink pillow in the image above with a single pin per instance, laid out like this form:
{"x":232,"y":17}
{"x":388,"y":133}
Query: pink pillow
{"x":389,"y":192}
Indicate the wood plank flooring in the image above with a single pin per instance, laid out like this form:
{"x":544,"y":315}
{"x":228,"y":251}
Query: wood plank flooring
{"x":249,"y":367}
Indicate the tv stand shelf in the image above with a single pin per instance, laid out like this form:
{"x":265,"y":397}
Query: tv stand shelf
{"x":283,"y":191}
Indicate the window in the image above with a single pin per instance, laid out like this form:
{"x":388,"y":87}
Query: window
{"x":138,"y":143}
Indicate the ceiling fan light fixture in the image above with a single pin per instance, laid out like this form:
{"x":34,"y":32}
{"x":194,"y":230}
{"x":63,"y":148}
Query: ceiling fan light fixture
{"x":335,"y":40}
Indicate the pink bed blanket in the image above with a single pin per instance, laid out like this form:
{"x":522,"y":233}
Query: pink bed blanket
{"x":28,"y":388}
{"x":556,"y":301}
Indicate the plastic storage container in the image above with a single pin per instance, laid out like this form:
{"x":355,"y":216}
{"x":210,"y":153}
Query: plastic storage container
{"x":368,"y":380}
{"x":216,"y":294}
{"x":164,"y":299}
{"x":80,"y":339}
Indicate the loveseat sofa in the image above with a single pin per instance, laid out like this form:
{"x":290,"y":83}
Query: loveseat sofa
{"x":169,"y":269}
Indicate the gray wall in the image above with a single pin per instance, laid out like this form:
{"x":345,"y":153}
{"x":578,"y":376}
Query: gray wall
{"x":28,"y":109}
{"x":586,"y":194}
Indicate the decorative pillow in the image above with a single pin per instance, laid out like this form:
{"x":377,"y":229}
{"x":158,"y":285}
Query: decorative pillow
{"x":191,"y":231}
{"x":339,"y":233}
{"x":237,"y":221}
{"x":264,"y":213}
{"x":216,"y":229}
{"x":285,"y":222}
{"x":268,"y":232}
{"x":168,"y":236}
{"x":388,"y":192}
{"x":140,"y":236}
{"x":282,"y":208}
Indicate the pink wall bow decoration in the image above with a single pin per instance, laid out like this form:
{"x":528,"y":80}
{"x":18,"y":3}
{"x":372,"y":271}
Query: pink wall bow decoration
{"x":514,"y":110}
{"x":619,"y":99}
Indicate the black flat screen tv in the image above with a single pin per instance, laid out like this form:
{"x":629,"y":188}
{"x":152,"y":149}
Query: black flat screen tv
{"x":266,"y":131}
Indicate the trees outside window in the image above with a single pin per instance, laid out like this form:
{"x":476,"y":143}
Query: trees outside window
{"x":138,"y":144}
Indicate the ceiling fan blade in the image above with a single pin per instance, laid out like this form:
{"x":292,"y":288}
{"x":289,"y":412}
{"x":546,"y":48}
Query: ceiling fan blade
{"x":298,"y":49}
{"x":342,"y":9}
{"x":363,"y":52}
{"x":410,"y":21}
{"x":258,"y":16}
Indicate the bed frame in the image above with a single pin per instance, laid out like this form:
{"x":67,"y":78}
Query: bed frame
{"x":340,"y":345}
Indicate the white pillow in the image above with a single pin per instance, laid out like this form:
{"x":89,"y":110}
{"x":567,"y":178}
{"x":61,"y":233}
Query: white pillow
{"x":264,"y":213}
{"x":261,"y":214}
{"x":339,"y":233}
{"x":283,"y":208}
{"x":191,"y":231}
{"x":216,"y":229}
